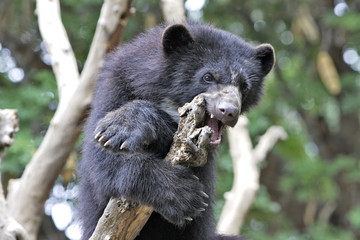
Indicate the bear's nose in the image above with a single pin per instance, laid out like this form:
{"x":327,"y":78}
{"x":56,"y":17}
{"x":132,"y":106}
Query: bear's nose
{"x":228,"y":113}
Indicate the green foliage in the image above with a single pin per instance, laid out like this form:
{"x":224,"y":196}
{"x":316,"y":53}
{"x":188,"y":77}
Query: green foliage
{"x":328,"y":232}
{"x":264,"y":209}
{"x":351,"y":101}
{"x":36,"y":104}
{"x":354,"y":217}
{"x":349,"y":21}
{"x":317,"y":232}
{"x":75,"y":17}
{"x":310,"y":179}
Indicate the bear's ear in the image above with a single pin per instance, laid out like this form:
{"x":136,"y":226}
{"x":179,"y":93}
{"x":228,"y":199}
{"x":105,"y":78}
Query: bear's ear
{"x":175,"y":37}
{"x":265,"y":52}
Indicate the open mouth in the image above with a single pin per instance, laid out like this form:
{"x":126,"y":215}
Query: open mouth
{"x":217,"y":126}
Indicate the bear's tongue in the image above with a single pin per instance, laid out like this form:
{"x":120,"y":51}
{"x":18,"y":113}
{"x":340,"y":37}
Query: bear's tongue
{"x":217,"y":128}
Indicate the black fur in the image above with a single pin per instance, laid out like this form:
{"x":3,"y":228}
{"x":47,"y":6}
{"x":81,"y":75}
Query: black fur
{"x":139,"y":89}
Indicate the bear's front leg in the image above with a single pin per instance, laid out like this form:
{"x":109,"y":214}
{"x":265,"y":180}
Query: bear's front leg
{"x":174,"y":191}
{"x":134,"y":127}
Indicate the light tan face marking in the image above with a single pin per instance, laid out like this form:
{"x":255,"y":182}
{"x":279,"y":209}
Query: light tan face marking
{"x":234,"y":76}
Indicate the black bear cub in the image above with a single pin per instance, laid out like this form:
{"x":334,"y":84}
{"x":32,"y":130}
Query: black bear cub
{"x":134,"y":117}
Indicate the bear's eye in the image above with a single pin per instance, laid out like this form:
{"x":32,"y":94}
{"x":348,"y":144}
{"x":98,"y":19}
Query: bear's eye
{"x":244,"y":87}
{"x":209,"y":78}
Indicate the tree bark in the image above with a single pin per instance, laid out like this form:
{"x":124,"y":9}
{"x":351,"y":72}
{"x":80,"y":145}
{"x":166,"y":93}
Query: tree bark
{"x":191,"y":139}
{"x":27,"y":196}
{"x":121,"y":220}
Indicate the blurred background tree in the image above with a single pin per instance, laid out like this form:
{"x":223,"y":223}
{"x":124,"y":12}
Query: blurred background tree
{"x":310,"y":183}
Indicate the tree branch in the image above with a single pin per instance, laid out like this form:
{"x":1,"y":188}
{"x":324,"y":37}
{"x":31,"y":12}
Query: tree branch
{"x":27,"y":197}
{"x":173,"y":10}
{"x":246,"y":173}
{"x":121,"y":220}
{"x":267,"y":142}
{"x":57,"y":43}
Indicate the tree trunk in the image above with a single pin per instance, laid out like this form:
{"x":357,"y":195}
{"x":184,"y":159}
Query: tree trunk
{"x":27,"y":195}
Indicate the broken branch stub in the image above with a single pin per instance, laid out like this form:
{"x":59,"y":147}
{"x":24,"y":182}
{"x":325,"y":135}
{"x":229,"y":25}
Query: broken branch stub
{"x":9,"y":124}
{"x":190,"y":141}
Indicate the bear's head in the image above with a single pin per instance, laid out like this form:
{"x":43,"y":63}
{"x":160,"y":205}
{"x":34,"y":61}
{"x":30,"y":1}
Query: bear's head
{"x":201,"y":59}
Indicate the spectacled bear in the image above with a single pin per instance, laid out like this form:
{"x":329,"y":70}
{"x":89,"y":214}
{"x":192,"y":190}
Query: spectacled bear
{"x":134,"y":117}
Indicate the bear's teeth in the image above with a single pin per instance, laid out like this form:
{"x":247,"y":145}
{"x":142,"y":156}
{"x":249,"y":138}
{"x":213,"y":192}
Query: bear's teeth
{"x":216,"y":142}
{"x":212,"y":116}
